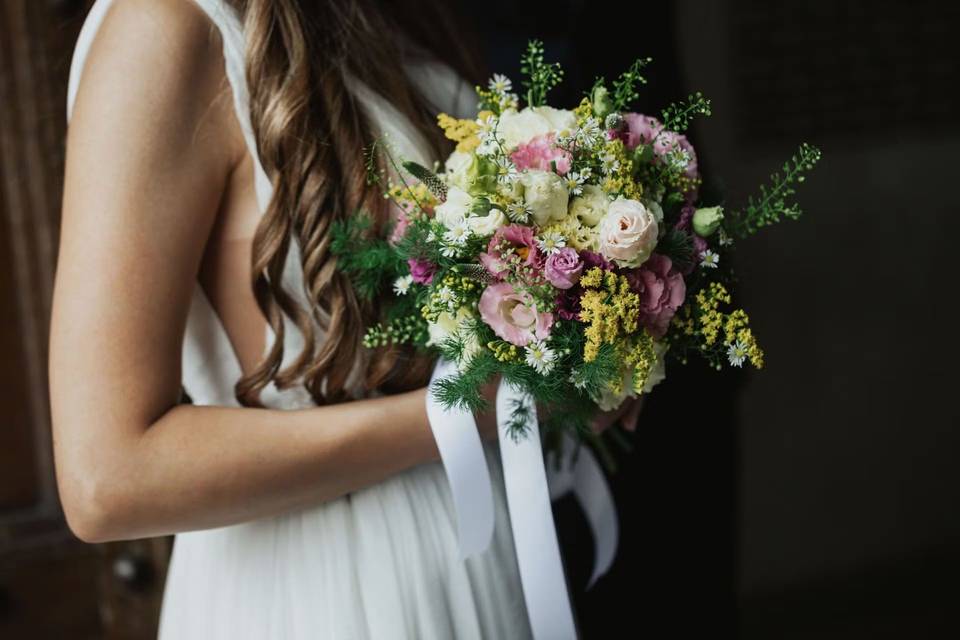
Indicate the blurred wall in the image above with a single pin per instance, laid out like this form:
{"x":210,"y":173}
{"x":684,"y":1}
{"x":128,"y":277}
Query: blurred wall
{"x":849,"y":438}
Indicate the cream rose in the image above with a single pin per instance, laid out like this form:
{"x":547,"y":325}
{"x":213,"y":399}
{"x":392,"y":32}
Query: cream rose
{"x":517,"y":127}
{"x":446,"y":325}
{"x":591,"y":206}
{"x":628,"y":233}
{"x":455,"y":208}
{"x":546,"y":195}
{"x":486,"y":225}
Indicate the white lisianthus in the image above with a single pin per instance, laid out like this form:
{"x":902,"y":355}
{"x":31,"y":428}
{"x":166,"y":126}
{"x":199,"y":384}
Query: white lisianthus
{"x":460,"y":169}
{"x":591,"y":206}
{"x":628,"y":233}
{"x":546,"y":196}
{"x":517,"y":127}
{"x":455,"y":208}
{"x":486,"y":225}
{"x":608,"y":400}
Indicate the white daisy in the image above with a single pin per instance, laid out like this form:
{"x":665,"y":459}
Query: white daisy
{"x":506,"y":170}
{"x":575,"y":181}
{"x":677,"y":159}
{"x":540,"y":357}
{"x":709,"y":259}
{"x":487,"y":127}
{"x":518,"y":211}
{"x":402,"y":284}
{"x":737,"y":353}
{"x":590,"y":134}
{"x":609,"y":163}
{"x":551,"y":242}
{"x":500,"y":83}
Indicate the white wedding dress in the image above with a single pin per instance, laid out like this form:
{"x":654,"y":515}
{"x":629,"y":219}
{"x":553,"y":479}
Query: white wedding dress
{"x":380,"y":563}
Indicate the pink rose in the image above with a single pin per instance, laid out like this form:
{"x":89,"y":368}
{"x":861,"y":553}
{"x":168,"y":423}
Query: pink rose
{"x":539,"y":152}
{"x":513,"y":315}
{"x":563,"y":268}
{"x":661,"y":289}
{"x":628,"y":233}
{"x":512,"y":238}
{"x":421,"y":270}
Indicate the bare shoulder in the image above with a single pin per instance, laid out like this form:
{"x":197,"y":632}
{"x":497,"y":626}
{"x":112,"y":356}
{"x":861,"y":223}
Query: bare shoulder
{"x":158,"y":61}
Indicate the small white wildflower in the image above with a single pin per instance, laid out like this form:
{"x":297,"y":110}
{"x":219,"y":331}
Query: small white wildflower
{"x":518,"y":211}
{"x":575,"y":181}
{"x":609,"y":164}
{"x":487,"y":127}
{"x":506,"y":170}
{"x":737,"y":353}
{"x":723,"y":238}
{"x":590,"y":134}
{"x":446,"y":297}
{"x":551,"y":242}
{"x":500,"y":83}
{"x":540,"y":357}
{"x":677,"y":160}
{"x":402,"y":284}
{"x":709,"y":259}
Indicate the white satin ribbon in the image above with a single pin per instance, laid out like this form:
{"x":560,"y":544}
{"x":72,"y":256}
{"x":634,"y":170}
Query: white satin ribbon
{"x":580,"y":473}
{"x":531,"y":518}
{"x":529,"y":488}
{"x":458,"y":441}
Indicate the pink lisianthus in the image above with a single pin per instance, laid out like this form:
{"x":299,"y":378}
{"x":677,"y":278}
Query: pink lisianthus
{"x":563,"y":268}
{"x":661,"y":289}
{"x":539,"y":152}
{"x":421,"y":270}
{"x":515,"y":237}
{"x":513,"y":315}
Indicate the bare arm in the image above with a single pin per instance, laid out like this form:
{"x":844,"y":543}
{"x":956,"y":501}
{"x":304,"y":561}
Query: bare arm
{"x":148,"y":156}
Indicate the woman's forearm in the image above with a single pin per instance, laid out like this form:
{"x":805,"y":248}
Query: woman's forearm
{"x":201,"y":467}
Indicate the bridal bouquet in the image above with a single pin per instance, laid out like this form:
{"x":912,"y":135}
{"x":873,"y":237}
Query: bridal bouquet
{"x":565,"y":250}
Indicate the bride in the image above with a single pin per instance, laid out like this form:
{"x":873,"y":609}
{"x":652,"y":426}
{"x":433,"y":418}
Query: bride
{"x":212,"y":145}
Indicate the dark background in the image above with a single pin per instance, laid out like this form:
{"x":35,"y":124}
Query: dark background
{"x":815,"y":499}
{"x":818,"y":497}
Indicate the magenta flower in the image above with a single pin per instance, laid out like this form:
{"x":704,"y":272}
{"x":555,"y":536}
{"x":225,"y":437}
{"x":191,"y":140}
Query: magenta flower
{"x":539,"y":152}
{"x":421,"y":270}
{"x":515,"y":238}
{"x":661,"y":289}
{"x":513,"y":315}
{"x":563,"y":268}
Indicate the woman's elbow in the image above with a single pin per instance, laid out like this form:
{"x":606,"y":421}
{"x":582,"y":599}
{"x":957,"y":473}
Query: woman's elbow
{"x":95,"y":508}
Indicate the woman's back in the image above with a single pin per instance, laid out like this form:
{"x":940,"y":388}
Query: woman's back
{"x":381,"y":562}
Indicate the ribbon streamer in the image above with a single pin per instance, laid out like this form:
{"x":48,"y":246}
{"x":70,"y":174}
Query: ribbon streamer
{"x":531,"y":518}
{"x":458,"y":441}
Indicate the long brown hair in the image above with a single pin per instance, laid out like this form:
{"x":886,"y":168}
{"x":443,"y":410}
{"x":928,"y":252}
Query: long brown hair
{"x":310,"y":133}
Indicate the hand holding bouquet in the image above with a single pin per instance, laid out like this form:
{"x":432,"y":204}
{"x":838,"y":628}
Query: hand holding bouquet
{"x":566,"y":251}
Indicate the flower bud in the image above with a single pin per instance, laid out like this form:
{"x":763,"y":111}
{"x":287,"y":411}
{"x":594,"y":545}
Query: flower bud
{"x":601,"y":102}
{"x":707,"y":221}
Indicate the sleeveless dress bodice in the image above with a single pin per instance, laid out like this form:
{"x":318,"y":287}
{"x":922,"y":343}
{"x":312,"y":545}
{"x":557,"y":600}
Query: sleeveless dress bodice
{"x":379,"y":563}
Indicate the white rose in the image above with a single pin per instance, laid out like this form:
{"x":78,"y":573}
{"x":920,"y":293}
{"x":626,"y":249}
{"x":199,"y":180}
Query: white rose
{"x":486,"y":225}
{"x":628,"y":233}
{"x":517,"y":127}
{"x":446,"y":325}
{"x":455,"y":208}
{"x":458,"y":169}
{"x":591,"y":206}
{"x":546,"y":196}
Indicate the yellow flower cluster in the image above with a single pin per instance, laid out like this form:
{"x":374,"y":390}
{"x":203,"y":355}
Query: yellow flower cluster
{"x":583,"y":111}
{"x":621,"y":181}
{"x":463,"y":132}
{"x":641,"y":356}
{"x":504,"y":351}
{"x":499,"y":101}
{"x":733,"y":327}
{"x":449,"y":296}
{"x":577,"y":235}
{"x":609,"y":308}
{"x":412,"y":198}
